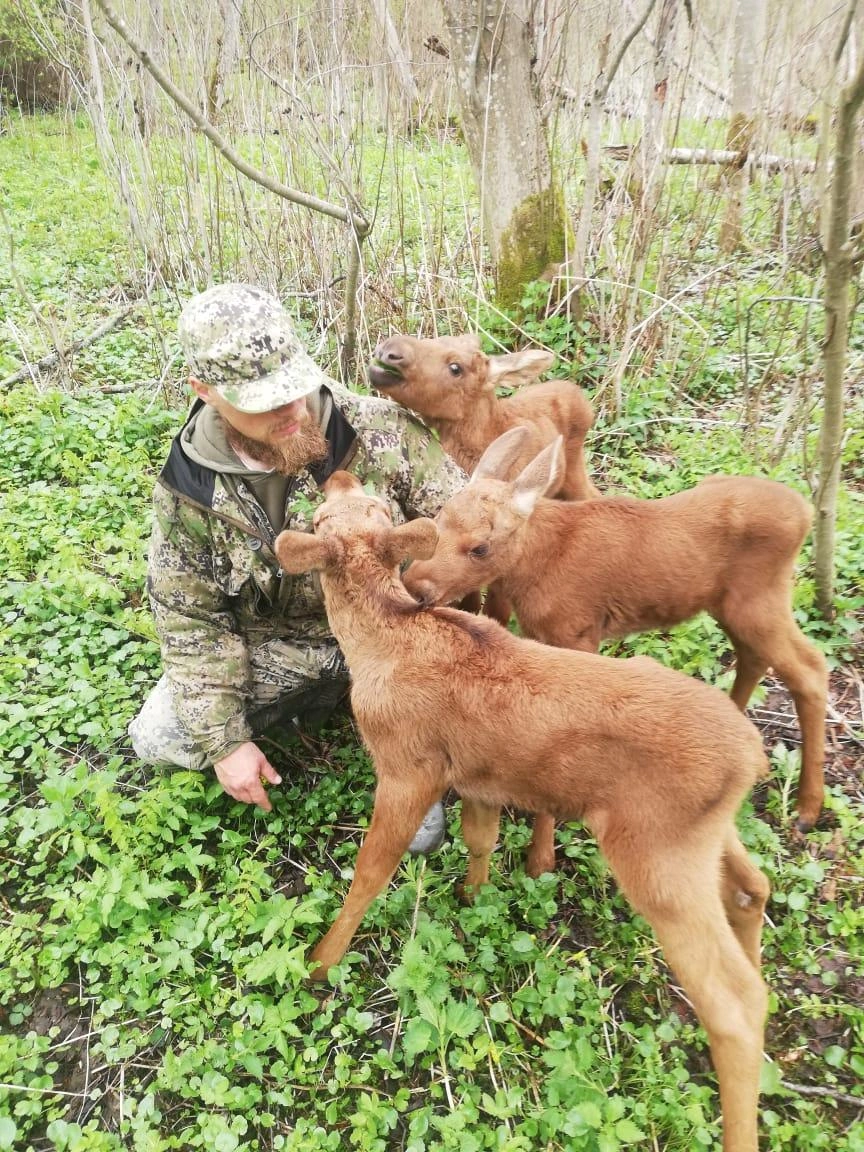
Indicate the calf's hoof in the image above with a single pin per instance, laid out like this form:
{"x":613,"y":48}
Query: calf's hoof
{"x":807,"y":818}
{"x":317,"y":971}
{"x":465,"y":892}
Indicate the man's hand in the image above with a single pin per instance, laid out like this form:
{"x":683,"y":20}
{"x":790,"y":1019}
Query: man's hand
{"x":242,"y":774}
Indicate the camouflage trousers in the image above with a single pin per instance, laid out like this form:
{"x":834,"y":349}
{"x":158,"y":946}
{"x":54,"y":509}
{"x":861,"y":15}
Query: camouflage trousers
{"x":287,"y":681}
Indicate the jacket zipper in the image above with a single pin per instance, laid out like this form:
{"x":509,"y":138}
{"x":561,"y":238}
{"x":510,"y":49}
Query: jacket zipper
{"x":245,"y":528}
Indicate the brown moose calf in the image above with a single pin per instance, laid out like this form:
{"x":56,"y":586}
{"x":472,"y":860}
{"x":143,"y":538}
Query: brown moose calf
{"x":576,"y":573}
{"x":451,"y":384}
{"x":655,"y":764}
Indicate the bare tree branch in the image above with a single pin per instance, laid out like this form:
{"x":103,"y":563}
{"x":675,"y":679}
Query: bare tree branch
{"x":396,"y":52}
{"x":604,"y":80}
{"x":359,"y":225}
{"x":722,"y":96}
{"x":818,"y":1090}
{"x":358,"y":222}
{"x":844,"y":31}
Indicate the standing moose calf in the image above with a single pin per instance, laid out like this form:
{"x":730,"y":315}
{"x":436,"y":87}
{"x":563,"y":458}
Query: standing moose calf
{"x":450,"y":383}
{"x":655,"y":764}
{"x":578,"y":572}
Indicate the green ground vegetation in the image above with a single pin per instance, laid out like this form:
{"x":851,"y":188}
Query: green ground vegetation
{"x":153,"y":932}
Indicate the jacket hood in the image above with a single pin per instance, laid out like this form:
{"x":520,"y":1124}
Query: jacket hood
{"x":200,"y":452}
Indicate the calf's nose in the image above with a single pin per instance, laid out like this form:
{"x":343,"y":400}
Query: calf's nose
{"x":423,"y":591}
{"x":388,"y":353}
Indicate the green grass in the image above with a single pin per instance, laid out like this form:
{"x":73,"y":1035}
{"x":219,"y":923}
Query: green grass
{"x":153,"y":932}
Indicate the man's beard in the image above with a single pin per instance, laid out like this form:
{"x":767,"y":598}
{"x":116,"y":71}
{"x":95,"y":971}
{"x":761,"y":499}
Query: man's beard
{"x":286,"y":456}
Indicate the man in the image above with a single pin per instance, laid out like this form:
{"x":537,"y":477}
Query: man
{"x":242,"y":642}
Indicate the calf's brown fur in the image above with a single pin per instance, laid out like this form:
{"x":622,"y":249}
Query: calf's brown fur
{"x":576,"y":573}
{"x":450,"y":383}
{"x":654,"y":763}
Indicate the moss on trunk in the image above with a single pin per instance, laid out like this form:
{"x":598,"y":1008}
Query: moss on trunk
{"x":739,"y":138}
{"x":534,"y":240}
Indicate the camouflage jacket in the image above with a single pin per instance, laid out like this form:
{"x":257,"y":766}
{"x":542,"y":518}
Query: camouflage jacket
{"x":214,"y":584}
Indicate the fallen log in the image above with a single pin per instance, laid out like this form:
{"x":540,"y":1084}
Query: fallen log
{"x":60,"y":355}
{"x":723,"y":156}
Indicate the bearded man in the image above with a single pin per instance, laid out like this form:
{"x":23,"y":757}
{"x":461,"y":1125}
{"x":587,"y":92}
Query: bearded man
{"x":244,"y":644}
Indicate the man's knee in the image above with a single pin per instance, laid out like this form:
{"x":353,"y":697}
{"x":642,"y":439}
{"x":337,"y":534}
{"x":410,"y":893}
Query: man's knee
{"x":290,"y":681}
{"x":158,"y":737}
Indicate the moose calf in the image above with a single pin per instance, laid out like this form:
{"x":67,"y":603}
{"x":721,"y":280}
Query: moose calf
{"x":450,"y":383}
{"x":578,"y":572}
{"x":655,"y":764}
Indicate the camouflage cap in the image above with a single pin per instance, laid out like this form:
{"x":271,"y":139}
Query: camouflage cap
{"x":239,"y":340}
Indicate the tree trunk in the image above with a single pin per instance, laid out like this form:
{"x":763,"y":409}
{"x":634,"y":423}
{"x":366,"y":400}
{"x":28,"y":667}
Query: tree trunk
{"x":838,"y":271}
{"x":146,"y":100}
{"x":827,"y":101}
{"x":592,"y":153}
{"x":653,"y":143}
{"x":399,"y":62}
{"x":521,"y":202}
{"x":749,"y":41}
{"x":856,"y":38}
{"x":228,"y":46}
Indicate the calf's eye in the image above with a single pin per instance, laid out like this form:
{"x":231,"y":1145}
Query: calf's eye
{"x":455,"y":369}
{"x":479,"y":551}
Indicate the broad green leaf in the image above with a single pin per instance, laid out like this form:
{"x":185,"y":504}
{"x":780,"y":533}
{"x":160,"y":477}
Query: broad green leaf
{"x":419,"y":1036}
{"x":8,"y":1132}
{"x":628,"y":1132}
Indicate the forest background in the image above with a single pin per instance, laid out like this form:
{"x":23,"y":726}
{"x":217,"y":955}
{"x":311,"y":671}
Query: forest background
{"x":672,"y":169}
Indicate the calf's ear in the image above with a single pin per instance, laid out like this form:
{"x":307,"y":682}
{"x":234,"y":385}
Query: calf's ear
{"x":542,"y":476}
{"x":415,"y":540}
{"x":514,"y":369}
{"x":498,"y":459}
{"x":302,"y":552}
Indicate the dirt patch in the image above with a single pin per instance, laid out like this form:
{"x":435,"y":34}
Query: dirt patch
{"x":57,"y":1013}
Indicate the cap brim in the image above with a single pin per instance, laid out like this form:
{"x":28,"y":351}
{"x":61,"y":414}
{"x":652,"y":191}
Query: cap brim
{"x":299,"y":378}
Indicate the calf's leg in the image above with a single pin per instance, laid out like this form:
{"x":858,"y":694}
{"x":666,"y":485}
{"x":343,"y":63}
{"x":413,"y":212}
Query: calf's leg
{"x":745,"y":892}
{"x":540,"y":857}
{"x":749,"y":670}
{"x":678,"y":890}
{"x":396,"y":817}
{"x":730,"y":1000}
{"x":480,"y":832}
{"x":802,"y":668}
{"x":765,"y":634}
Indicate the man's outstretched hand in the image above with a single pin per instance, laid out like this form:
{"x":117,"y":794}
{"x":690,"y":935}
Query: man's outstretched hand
{"x":242,"y":774}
